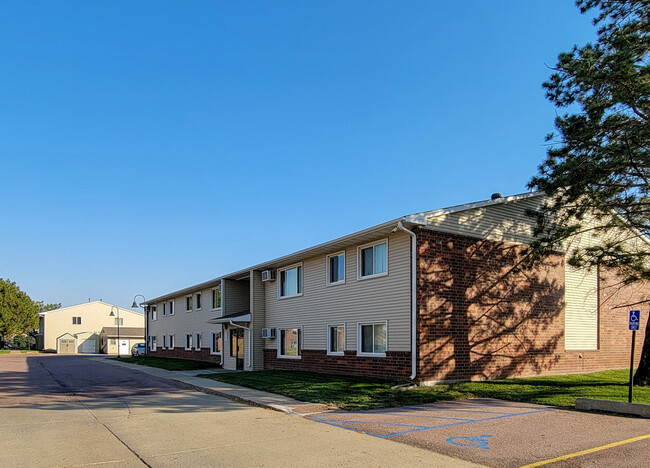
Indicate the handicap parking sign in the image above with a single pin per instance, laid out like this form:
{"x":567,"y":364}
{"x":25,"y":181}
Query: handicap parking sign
{"x":634,"y":319}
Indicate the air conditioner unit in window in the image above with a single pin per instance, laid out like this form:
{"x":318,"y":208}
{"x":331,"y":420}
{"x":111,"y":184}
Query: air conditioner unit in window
{"x":268,"y":275}
{"x":268,"y":332}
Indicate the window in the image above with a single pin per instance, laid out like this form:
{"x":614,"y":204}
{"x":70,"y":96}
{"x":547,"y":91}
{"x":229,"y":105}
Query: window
{"x":289,"y":343}
{"x":188,"y":342}
{"x":164,"y":346}
{"x":335,"y":339}
{"x":76,"y":320}
{"x":216,"y":297}
{"x":198,"y":301}
{"x":171,"y":307}
{"x":371,"y":339}
{"x":188,"y":304}
{"x":152,"y":343}
{"x":113,"y":341}
{"x":215,"y":347}
{"x":197,"y":341}
{"x":171,"y":341}
{"x":164,"y":311}
{"x":373,"y":260}
{"x":336,"y":268}
{"x":118,"y":322}
{"x":290,"y":281}
{"x":154,"y":312}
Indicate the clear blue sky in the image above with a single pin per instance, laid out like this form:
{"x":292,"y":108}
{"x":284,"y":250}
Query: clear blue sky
{"x":148,"y":146}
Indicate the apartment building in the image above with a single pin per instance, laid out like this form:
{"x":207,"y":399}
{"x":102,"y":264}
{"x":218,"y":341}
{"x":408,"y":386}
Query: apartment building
{"x":435,"y":296}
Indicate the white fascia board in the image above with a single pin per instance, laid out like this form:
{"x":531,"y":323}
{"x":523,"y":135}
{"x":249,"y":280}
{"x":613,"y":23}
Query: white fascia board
{"x":423,"y":217}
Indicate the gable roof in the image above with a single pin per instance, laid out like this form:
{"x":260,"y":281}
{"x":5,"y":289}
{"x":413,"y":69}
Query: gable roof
{"x":85,"y":304}
{"x":124,"y":332}
{"x":359,"y":237}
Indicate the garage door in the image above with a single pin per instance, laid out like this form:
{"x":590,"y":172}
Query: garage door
{"x":87,"y":346}
{"x":66,"y":346}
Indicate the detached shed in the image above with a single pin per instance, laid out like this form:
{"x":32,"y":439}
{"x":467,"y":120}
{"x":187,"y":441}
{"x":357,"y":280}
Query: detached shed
{"x":126,"y":336}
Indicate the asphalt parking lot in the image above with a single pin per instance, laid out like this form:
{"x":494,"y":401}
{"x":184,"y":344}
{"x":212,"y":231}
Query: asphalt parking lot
{"x":507,"y":434}
{"x":74,"y":410}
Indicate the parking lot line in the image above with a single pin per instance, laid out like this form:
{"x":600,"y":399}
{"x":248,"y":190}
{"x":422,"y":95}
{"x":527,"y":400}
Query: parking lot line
{"x":586,"y":452}
{"x":329,"y":419}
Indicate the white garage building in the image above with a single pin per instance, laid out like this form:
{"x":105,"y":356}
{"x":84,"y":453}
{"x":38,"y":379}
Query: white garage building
{"x":76,"y":329}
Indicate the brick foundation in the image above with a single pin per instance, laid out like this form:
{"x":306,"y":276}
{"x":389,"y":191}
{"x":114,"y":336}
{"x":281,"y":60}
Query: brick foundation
{"x":182,"y":353}
{"x":395,"y":366}
{"x":481,"y":317}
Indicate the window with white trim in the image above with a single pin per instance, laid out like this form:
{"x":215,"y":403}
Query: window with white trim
{"x":336,"y":268}
{"x":170,"y":341}
{"x":216,"y":298}
{"x":198,"y":301}
{"x":154,"y":312}
{"x":188,"y":342}
{"x":188,"y":304}
{"x":152,"y":343}
{"x":372,"y":259}
{"x":372,"y":339}
{"x":171,"y":307}
{"x":118,"y":322}
{"x":164,"y":346}
{"x":289,"y":343}
{"x":335,"y":339}
{"x":76,"y":320}
{"x":197,"y":341}
{"x":290,"y":283}
{"x":215,"y":343}
{"x":164,"y":310}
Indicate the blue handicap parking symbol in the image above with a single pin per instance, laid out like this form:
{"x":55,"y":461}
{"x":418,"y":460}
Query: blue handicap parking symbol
{"x":634,"y":319}
{"x":478,"y":442}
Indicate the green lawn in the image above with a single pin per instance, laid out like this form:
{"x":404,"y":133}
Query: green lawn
{"x":4,"y":351}
{"x":168,"y":363}
{"x":357,"y":393}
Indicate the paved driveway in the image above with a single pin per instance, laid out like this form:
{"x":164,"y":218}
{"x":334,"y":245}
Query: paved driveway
{"x":501,"y":433}
{"x":76,"y":411}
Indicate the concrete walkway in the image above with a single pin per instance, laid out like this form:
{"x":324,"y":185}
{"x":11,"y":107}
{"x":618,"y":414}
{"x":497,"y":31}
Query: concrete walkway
{"x":249,"y":396}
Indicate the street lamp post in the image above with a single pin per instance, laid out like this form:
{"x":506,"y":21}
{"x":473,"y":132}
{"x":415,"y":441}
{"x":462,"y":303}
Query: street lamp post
{"x":135,"y":305}
{"x":118,"y":327}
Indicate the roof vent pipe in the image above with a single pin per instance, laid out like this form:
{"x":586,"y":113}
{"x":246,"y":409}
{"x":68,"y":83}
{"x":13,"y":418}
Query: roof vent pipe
{"x":496,"y":196}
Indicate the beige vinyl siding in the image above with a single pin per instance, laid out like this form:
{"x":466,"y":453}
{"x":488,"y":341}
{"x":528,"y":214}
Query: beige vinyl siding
{"x":385,"y":298}
{"x":259,"y":319}
{"x":505,"y":222}
{"x":581,"y":309}
{"x":183,"y":323}
{"x":581,"y":297}
{"x":94,"y":316}
{"x":235,"y":296}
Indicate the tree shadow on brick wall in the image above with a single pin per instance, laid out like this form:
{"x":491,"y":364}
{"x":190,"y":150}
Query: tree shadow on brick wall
{"x":483,"y":314}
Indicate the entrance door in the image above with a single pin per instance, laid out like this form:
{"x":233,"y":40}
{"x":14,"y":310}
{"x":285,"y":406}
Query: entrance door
{"x":237,"y":347}
{"x":66,"y":346}
{"x":124,"y":347}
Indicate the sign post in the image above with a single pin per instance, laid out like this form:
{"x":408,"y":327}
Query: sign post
{"x":634,"y":326}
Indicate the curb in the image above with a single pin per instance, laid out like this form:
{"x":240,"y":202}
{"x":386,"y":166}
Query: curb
{"x":211,"y":391}
{"x":610,"y":406}
{"x":206,"y":390}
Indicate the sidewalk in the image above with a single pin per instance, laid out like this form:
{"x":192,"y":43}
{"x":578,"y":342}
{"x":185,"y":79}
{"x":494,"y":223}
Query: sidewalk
{"x":249,"y":396}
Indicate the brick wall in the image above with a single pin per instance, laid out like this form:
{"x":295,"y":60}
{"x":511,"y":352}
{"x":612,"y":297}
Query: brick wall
{"x":482,"y":316}
{"x":182,"y":353}
{"x":395,"y":366}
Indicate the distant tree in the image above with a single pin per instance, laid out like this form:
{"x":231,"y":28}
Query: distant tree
{"x":42,"y":307}
{"x":598,"y":167}
{"x":18,"y":313}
